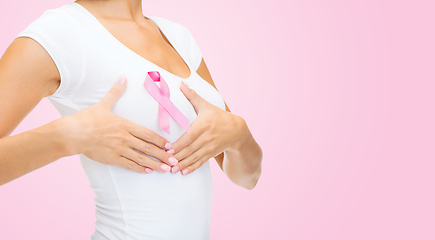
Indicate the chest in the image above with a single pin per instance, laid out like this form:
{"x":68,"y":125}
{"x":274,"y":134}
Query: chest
{"x":148,"y":42}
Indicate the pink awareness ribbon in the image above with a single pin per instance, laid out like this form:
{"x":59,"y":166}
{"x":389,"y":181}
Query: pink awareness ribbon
{"x":166,"y":107}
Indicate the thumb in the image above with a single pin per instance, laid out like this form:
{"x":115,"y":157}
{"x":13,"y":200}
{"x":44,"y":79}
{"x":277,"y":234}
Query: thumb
{"x":115,"y":93}
{"x":197,"y":101}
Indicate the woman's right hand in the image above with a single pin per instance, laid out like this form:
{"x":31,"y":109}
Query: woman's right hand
{"x":108,"y":138}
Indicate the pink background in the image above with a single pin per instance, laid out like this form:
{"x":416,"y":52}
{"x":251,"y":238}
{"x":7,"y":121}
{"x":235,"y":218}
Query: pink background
{"x":339,"y":95}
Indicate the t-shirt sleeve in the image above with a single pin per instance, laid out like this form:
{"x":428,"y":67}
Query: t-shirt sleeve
{"x":194,"y":52}
{"x":56,"y":33}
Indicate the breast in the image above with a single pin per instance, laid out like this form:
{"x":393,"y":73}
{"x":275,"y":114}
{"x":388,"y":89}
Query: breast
{"x":137,"y":104}
{"x":150,"y":204}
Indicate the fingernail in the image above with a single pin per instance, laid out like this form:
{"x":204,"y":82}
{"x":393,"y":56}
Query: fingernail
{"x":170,"y":151}
{"x":175,"y":169}
{"x":121,"y":80}
{"x":173,"y":161}
{"x":184,"y":171}
{"x":165,"y":168}
{"x":168,"y":145}
{"x":185,"y":84}
{"x":148,"y":170}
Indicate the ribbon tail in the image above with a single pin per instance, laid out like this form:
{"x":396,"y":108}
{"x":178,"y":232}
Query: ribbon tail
{"x":175,"y":113}
{"x":164,"y":120}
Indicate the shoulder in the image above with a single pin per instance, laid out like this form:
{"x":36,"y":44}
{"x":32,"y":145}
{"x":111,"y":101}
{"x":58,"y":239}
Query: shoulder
{"x":52,"y":20}
{"x":56,"y":31}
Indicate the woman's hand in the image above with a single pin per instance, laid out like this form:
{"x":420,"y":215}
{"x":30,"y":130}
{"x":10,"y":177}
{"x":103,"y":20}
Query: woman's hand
{"x":213,"y":131}
{"x":108,"y":138}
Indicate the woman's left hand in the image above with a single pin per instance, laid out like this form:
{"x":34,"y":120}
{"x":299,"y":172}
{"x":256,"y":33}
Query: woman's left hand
{"x":213,"y":131}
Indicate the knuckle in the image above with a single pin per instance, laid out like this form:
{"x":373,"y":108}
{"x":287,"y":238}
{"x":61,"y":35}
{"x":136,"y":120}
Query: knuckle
{"x":211,"y":147}
{"x":146,"y":135}
{"x":194,"y":158}
{"x":189,"y":137}
{"x":214,"y":146}
{"x":118,"y":148}
{"x":141,"y":159}
{"x":209,"y":138}
{"x":118,"y":135}
{"x":205,"y":125}
{"x":120,"y":124}
{"x":147,"y":149}
{"x":130,"y":165}
{"x":188,"y":150}
{"x":115,"y":90}
{"x":214,"y":136}
{"x":123,"y":139}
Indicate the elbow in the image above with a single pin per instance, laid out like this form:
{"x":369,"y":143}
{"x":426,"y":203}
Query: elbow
{"x":248,"y":182}
{"x":253,"y":182}
{"x":253,"y":179}
{"x":247,"y":177}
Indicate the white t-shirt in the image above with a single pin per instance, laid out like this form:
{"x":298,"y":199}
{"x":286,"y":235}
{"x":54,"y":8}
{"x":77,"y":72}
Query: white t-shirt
{"x":90,"y":60}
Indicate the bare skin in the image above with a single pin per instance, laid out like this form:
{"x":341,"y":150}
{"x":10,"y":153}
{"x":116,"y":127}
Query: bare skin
{"x":139,"y":34}
{"x":28,"y":74}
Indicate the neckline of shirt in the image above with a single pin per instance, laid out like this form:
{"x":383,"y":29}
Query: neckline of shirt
{"x":119,"y":43}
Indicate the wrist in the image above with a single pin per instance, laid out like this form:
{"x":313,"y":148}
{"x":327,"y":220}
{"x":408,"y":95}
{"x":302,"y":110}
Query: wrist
{"x":65,"y":136}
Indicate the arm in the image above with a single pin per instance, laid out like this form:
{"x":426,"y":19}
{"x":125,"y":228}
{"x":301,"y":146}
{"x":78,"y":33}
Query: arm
{"x":25,"y":152}
{"x":27,"y":75}
{"x":242,"y":163}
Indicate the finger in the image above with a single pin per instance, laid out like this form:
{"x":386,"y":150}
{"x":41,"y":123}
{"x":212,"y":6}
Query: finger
{"x":115,"y":92}
{"x":196,"y":129}
{"x":205,"y":150}
{"x":196,"y":100}
{"x":146,"y":134}
{"x":152,"y":150}
{"x":145,"y":161}
{"x":188,"y":150}
{"x":191,"y":168}
{"x":130,"y":165}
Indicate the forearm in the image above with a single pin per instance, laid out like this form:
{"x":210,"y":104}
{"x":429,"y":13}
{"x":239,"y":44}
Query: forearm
{"x":243,"y":165}
{"x":27,"y":151}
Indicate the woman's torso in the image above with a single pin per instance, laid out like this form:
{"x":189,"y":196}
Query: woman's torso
{"x":132,"y":205}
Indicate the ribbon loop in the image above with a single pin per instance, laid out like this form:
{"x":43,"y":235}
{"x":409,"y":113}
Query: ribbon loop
{"x":166,"y":106}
